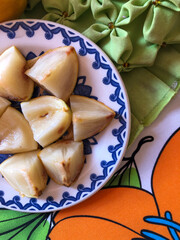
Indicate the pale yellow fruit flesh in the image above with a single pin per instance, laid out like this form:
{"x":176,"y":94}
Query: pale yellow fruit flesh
{"x":56,"y":71}
{"x":15,"y":133}
{"x":4,"y":104}
{"x":48,"y":116}
{"x":25,"y":173}
{"x":89,"y":116}
{"x":14,"y":84}
{"x":63,"y":161}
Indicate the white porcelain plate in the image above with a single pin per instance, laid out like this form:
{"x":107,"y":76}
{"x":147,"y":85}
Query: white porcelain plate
{"x":99,"y":79}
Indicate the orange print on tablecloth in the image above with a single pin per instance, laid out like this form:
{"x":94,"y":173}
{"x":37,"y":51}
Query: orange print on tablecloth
{"x":127,"y":212}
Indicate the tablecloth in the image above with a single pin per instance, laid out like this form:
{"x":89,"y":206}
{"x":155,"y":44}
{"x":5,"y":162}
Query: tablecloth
{"x":141,"y":200}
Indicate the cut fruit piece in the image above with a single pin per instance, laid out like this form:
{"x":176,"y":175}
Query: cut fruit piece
{"x":89,"y":116}
{"x":56,"y":70}
{"x":25,"y":173}
{"x":4,"y":104}
{"x":63,"y":161}
{"x":49,"y":118}
{"x":15,"y":133}
{"x":14,"y":84}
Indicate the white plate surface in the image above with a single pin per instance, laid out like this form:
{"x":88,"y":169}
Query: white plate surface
{"x":99,"y":79}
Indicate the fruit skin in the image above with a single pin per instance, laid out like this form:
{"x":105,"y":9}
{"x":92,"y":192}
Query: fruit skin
{"x":15,"y":133}
{"x":25,"y":173}
{"x":31,"y":62}
{"x":14,"y":84}
{"x":4,"y":104}
{"x":56,"y":70}
{"x":49,"y":118}
{"x":89,"y":116}
{"x":63,"y":161}
{"x":11,"y":9}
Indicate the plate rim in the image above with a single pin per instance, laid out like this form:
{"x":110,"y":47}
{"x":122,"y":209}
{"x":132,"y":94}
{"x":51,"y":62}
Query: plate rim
{"x":128,"y":111}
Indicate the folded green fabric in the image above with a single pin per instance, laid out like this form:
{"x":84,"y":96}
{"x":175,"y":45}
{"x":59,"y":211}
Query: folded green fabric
{"x":140,"y":36}
{"x":150,"y":89}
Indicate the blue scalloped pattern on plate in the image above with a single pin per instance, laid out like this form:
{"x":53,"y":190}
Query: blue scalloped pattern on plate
{"x":30,"y":27}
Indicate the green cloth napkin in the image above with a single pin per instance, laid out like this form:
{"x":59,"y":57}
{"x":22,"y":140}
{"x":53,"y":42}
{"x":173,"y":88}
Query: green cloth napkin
{"x":140,"y":36}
